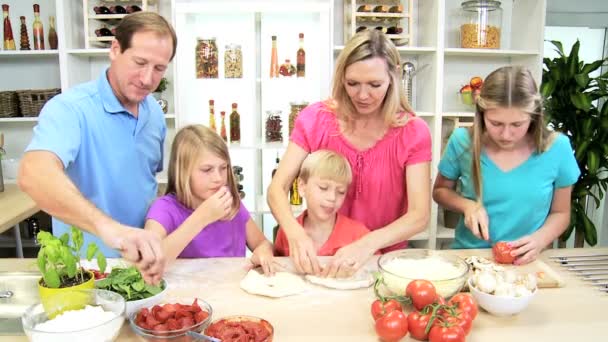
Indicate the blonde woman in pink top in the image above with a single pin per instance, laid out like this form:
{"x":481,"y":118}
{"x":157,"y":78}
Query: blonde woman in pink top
{"x":368,"y":121}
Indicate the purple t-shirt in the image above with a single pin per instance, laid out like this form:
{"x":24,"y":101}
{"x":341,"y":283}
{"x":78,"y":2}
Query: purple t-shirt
{"x":218,"y":239}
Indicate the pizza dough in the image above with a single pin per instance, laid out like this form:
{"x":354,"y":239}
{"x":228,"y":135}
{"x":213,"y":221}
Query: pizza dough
{"x":359,"y":280}
{"x":280,"y":285}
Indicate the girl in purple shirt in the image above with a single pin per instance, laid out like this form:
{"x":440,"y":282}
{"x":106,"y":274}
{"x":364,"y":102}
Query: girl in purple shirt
{"x":201,"y":215}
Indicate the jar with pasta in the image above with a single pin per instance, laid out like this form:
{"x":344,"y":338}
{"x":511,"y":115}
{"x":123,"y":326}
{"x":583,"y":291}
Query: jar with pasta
{"x":206,"y":58}
{"x":233,"y":61}
{"x":296,"y":108}
{"x":480,"y":24}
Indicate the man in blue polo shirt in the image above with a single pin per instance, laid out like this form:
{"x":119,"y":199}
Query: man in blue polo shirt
{"x":98,"y":146}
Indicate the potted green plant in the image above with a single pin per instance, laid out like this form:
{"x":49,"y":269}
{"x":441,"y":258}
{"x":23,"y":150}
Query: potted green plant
{"x":59,"y":263}
{"x":576,"y":104}
{"x":162,"y":86}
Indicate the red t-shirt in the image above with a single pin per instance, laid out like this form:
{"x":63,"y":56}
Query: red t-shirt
{"x":345,"y":231}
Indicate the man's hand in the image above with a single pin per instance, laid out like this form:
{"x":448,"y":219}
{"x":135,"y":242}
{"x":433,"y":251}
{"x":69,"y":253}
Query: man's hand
{"x":140,"y":247}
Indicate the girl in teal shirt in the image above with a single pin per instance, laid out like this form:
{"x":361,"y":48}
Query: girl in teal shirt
{"x":515,"y":175}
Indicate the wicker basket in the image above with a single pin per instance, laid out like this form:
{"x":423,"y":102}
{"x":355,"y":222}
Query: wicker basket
{"x":9,"y":104}
{"x":32,"y":101}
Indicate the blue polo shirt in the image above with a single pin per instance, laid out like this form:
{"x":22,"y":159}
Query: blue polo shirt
{"x":517,"y":201}
{"x":110,"y":155}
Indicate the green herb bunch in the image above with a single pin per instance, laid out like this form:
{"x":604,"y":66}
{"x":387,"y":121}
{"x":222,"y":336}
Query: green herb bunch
{"x":59,"y":261}
{"x":129,"y":283}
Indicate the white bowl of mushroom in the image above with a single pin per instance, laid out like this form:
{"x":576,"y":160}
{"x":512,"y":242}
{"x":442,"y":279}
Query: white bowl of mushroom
{"x":502,"y":293}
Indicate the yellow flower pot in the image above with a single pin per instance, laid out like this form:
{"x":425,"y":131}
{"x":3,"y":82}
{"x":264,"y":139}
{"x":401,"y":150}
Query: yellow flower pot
{"x":56,"y":301}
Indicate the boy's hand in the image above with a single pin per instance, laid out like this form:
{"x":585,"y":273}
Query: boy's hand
{"x":218,"y":206}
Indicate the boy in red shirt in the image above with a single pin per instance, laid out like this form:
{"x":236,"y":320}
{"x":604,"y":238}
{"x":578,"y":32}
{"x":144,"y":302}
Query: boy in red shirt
{"x":323,"y":182}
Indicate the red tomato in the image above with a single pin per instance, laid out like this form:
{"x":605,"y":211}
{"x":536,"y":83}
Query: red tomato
{"x":443,"y":333}
{"x":392,"y":326}
{"x":422,"y":293}
{"x":380,"y":308}
{"x":465,"y":303}
{"x":417,"y":323}
{"x":461,"y":319}
{"x":502,"y":253}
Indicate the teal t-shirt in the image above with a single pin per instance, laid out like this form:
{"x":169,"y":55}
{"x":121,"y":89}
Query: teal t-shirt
{"x":517,"y":201}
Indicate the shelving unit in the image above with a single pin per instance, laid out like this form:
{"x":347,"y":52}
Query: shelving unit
{"x":356,"y":19}
{"x":434,"y":42}
{"x":93,"y":21}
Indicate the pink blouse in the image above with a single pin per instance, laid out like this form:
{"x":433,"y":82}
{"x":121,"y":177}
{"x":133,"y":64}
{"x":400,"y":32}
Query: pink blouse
{"x":378,"y":194}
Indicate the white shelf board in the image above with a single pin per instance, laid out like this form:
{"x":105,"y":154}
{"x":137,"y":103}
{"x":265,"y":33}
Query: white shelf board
{"x":381,"y":15}
{"x":170,"y":116}
{"x":89,"y":52}
{"x":410,"y":50}
{"x":101,"y":39}
{"x":20,"y":119}
{"x":29,"y":53}
{"x":424,"y":114}
{"x":107,"y":16}
{"x":422,"y":236}
{"x":488,"y":52}
{"x":459,"y":114}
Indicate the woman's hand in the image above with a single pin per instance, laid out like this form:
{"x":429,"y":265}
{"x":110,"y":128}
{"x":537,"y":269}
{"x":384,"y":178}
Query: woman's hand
{"x":218,"y":206}
{"x":303,"y":253}
{"x":476,"y":219}
{"x":348,"y":260}
{"x":526,"y":249}
{"x":262,"y":256}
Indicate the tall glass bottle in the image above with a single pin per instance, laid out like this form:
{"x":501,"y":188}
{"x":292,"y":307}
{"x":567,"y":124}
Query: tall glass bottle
{"x":274,"y":60}
{"x":212,"y":116}
{"x":294,"y":193}
{"x":223,"y":126}
{"x":235,"y":125}
{"x":38,"y":29}
{"x":276,"y":166}
{"x":9,"y":40}
{"x":53,"y":41}
{"x":301,"y":58}
{"x":24,"y":40}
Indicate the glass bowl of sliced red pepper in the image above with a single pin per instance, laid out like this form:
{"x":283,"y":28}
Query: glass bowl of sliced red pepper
{"x":172,"y":320}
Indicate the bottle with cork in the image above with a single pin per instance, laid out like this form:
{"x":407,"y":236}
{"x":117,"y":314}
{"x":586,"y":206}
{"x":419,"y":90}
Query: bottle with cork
{"x":212,"y":116}
{"x":38,"y":29}
{"x":9,"y":40}
{"x":24,"y":41}
{"x":274,"y":60}
{"x":301,"y":58}
{"x":235,"y":125}
{"x":223,"y":126}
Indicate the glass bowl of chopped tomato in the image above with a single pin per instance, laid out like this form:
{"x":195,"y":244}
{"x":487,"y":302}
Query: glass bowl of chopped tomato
{"x":241,"y":328}
{"x":172,"y":320}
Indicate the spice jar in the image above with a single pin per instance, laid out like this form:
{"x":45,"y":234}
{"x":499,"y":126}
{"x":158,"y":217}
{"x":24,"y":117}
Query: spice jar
{"x":206,"y":58}
{"x":274,"y":126}
{"x":233,"y":61}
{"x":480,"y":24}
{"x":287,"y":69}
{"x":296,"y":108}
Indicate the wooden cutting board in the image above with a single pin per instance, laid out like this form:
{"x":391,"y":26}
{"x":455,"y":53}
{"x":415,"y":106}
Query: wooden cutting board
{"x":546,"y":276}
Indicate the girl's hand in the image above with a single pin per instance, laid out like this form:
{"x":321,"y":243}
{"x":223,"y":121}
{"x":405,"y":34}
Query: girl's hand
{"x":476,"y":219}
{"x":526,"y":249}
{"x":303,"y":253}
{"x":347,"y":260}
{"x":218,"y":206}
{"x":262,"y":256}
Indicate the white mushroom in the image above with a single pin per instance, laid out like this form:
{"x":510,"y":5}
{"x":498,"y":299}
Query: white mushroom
{"x":530,"y":282}
{"x":504,"y":289}
{"x":485,"y":281}
{"x":521,"y":291}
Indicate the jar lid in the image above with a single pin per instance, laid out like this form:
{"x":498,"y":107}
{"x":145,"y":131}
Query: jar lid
{"x":489,"y":4}
{"x":233,"y":46}
{"x":205,"y":39}
{"x":273,"y":111}
{"x":298,"y":103}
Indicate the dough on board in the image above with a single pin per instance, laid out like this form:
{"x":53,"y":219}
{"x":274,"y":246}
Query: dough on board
{"x":361,"y":279}
{"x":280,"y":285}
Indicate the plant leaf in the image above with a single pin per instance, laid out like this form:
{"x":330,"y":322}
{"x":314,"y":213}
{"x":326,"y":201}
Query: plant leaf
{"x":51,"y":278}
{"x":547,"y":88}
{"x":581,"y":101}
{"x":590,"y":231}
{"x":101,"y":262}
{"x":41,"y":260}
{"x":558,"y":45}
{"x":91,"y":250}
{"x":77,"y":238}
{"x":65,"y":239}
{"x":582,"y":80}
{"x":591,"y":67}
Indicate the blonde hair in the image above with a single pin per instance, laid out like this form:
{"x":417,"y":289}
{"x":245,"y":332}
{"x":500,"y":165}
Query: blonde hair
{"x":362,"y":46}
{"x":508,"y":87}
{"x":141,"y":22}
{"x":326,"y":164}
{"x":186,"y":149}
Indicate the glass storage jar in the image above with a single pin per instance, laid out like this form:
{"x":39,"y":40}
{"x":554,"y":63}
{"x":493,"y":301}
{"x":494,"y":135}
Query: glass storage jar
{"x":233,"y":61}
{"x":274,"y":126}
{"x":206,"y":58}
{"x":480,"y":26}
{"x":296,"y":108}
